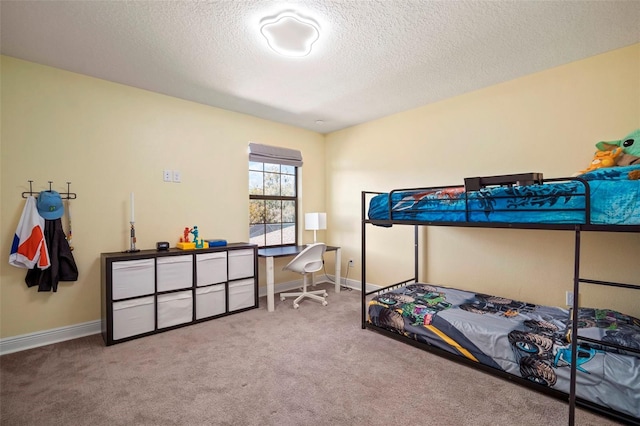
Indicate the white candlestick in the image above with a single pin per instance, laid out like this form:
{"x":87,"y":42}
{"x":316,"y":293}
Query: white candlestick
{"x":132,"y":209}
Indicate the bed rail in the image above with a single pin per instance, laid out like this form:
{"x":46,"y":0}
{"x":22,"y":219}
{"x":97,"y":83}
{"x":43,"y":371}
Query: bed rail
{"x":391,"y":287}
{"x":475,"y":189}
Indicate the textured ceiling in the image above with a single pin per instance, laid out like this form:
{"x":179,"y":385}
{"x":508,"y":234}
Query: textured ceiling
{"x":373,"y":58}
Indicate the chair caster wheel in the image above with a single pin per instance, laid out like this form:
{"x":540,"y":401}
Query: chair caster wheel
{"x":325,"y":303}
{"x":282,"y":298}
{"x":296,"y":306}
{"x":326,"y":294}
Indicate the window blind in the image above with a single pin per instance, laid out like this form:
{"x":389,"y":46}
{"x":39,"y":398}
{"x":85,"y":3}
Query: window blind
{"x":275,"y":155}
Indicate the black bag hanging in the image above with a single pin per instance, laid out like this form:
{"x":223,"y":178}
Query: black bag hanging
{"x":63,"y":265}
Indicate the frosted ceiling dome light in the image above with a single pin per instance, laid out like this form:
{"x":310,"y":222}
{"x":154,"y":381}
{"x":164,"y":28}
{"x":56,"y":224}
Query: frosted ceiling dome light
{"x":290,"y":34}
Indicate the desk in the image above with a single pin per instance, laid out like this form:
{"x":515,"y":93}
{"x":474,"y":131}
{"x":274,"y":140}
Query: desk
{"x":289,"y":251}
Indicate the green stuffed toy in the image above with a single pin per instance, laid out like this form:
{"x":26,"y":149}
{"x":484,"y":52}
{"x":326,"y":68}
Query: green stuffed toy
{"x":630,"y":145}
{"x":623,"y":152}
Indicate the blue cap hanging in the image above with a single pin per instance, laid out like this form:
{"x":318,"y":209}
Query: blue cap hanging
{"x":50,"y":205}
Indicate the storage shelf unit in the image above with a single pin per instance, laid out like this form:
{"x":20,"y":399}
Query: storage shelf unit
{"x":151,"y":291}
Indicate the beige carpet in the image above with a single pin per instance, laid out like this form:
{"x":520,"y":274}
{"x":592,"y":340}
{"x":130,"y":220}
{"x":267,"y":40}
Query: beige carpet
{"x":311,"y":366}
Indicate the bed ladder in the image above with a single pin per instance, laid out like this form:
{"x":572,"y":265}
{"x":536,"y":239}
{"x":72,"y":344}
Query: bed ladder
{"x":577,"y":280}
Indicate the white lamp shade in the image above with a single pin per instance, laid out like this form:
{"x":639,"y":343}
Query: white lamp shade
{"x":315,"y":221}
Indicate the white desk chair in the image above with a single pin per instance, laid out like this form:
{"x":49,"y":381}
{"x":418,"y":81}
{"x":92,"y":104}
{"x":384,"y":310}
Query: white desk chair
{"x":307,"y":262}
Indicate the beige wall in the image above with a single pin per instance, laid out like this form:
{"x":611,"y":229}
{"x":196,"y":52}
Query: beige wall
{"x":546,"y":122}
{"x":109,"y":140}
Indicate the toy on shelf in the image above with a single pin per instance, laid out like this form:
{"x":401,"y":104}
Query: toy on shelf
{"x":198,"y":243}
{"x":185,"y":235}
{"x":217,"y":243}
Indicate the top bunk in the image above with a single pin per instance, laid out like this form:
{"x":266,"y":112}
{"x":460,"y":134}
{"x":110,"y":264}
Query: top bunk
{"x":606,"y":199}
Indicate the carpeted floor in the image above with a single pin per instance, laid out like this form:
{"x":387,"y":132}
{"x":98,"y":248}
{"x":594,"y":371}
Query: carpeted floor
{"x":311,"y":366}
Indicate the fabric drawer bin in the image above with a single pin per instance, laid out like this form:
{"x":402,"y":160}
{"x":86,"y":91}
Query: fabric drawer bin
{"x":240,"y":264}
{"x":132,"y":278}
{"x":175,"y":272}
{"x":241,"y":294}
{"x":210,"y":301}
{"x":175,"y":308}
{"x":211,"y":268}
{"x":133,"y":317}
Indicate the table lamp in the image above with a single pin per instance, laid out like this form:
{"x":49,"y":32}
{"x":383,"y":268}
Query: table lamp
{"x":314,"y":222}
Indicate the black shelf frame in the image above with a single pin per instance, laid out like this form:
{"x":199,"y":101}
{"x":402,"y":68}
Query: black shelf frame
{"x":107,"y":259}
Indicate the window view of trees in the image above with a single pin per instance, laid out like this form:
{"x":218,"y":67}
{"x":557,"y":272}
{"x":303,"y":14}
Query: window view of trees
{"x":272,"y":204}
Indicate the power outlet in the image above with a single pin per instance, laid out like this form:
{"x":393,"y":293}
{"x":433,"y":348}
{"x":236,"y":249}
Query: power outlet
{"x":167,"y":175}
{"x":177,"y":176}
{"x":569,"y":298}
{"x":350,"y":263}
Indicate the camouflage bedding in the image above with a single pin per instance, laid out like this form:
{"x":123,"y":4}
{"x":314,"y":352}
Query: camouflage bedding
{"x":523,"y":339}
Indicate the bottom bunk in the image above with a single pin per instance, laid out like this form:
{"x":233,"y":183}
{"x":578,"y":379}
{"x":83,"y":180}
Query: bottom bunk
{"x":527,"y":342}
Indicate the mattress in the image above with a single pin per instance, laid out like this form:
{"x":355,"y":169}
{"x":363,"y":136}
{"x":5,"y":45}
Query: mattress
{"x":523,"y":339}
{"x":614,"y":199}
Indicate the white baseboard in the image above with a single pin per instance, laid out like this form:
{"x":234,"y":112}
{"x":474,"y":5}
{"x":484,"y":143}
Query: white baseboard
{"x":292,"y":285}
{"x":55,"y":335}
{"x":280,"y":287}
{"x":48,"y":337}
{"x":356,"y":284}
{"x":352,"y":284}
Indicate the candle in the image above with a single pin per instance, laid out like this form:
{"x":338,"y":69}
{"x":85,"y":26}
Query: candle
{"x":132,"y":209}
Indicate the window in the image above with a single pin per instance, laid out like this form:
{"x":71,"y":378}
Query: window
{"x":273,"y":196}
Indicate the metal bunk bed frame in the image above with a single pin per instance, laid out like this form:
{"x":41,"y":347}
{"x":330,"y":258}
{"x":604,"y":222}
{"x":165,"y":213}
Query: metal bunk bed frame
{"x":473,"y":184}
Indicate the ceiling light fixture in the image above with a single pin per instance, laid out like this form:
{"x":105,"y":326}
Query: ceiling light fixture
{"x":290,"y":34}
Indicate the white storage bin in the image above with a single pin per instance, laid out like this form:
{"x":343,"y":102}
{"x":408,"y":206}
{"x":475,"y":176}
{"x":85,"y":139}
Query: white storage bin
{"x":131,"y":278}
{"x":175,"y":272}
{"x":210,"y":301}
{"x":133,"y":317}
{"x":241,"y":294}
{"x":175,"y":308}
{"x":240,"y":264}
{"x":211,"y":268}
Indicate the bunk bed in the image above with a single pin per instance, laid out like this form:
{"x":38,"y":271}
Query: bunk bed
{"x":523,"y":342}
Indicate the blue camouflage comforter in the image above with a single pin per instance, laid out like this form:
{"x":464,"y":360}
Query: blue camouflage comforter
{"x":614,"y":200}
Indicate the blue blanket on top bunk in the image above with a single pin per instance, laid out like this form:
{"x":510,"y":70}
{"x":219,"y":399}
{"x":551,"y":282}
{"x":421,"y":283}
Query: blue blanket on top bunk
{"x":614,"y":200}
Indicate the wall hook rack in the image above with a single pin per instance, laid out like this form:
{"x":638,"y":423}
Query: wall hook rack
{"x":64,"y":195}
